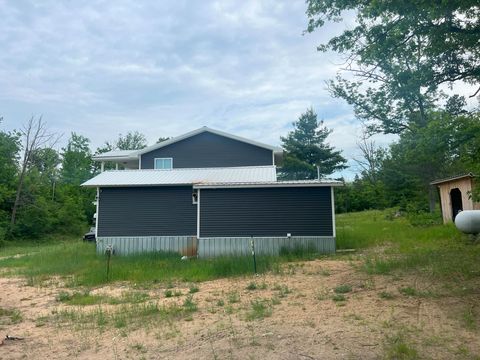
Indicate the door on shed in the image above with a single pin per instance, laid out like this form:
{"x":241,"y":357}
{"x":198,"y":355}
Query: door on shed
{"x":456,"y":201}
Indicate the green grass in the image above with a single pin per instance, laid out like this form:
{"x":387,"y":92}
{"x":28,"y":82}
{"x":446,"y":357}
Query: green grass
{"x":259,"y":310}
{"x":127,"y":315}
{"x":343,"y":289}
{"x":252,"y":286}
{"x":85,"y":298}
{"x":397,"y":348}
{"x":386,"y":245}
{"x":193,"y":289}
{"x":440,"y":251}
{"x":408,"y":291}
{"x":386,"y":295}
{"x":10,"y":316}
{"x":339,"y":298}
{"x":78,"y":263}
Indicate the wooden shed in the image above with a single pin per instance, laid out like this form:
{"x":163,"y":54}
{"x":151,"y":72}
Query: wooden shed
{"x":455,"y":195}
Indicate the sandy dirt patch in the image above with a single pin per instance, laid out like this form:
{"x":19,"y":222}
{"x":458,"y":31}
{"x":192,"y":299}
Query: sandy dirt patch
{"x":300,"y":320}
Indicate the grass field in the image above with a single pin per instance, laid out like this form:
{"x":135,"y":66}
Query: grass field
{"x":394,"y":244}
{"x":411,"y":291}
{"x":431,"y":250}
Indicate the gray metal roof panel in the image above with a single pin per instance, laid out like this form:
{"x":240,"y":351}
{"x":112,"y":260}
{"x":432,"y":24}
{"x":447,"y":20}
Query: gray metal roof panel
{"x":290,"y":183}
{"x":183,"y":176}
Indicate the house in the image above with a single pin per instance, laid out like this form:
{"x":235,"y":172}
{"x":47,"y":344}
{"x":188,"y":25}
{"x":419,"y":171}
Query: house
{"x":455,"y":195}
{"x":208,"y":193}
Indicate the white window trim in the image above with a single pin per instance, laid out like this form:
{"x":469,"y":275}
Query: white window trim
{"x":163,"y":158}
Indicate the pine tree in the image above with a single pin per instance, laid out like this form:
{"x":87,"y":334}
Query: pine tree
{"x":306,"y":149}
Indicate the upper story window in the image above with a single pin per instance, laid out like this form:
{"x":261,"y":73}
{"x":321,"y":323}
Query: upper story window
{"x":163,"y":163}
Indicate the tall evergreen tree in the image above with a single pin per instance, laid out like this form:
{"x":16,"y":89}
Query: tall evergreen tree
{"x":306,"y":149}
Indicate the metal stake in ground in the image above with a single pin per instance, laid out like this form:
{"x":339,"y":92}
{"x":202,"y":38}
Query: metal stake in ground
{"x":252,"y":245}
{"x":108,"y":252}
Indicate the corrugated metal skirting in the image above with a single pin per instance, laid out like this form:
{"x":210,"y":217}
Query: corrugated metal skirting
{"x":216,"y":246}
{"x":185,"y":245}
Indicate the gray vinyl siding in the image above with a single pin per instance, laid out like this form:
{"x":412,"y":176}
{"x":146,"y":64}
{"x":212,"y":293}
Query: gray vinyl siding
{"x":209,"y":150}
{"x":301,"y":211}
{"x":147,"y":211}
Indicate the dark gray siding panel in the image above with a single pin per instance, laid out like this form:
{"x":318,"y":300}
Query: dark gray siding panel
{"x":147,"y":211}
{"x":209,"y":150}
{"x":299,"y":211}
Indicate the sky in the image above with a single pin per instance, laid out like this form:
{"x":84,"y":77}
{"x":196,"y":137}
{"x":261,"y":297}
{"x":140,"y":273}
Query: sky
{"x":163,"y":68}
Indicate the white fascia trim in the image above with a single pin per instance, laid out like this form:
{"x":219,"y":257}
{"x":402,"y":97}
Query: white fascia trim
{"x":198,"y":213}
{"x":333,"y":214}
{"x":207,"y":129}
{"x":130,"y":157}
{"x":241,"y":186}
{"x":96,"y":217}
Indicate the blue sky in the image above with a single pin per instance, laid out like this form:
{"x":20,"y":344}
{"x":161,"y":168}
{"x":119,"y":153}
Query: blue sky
{"x":101,"y":68}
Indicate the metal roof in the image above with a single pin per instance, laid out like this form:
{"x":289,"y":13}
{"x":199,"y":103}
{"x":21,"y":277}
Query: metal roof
{"x":183,"y":176}
{"x":291,"y":183}
{"x":452,"y":178}
{"x":116,"y":154}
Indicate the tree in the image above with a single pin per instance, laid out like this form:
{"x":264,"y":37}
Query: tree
{"x":76,"y":160}
{"x":306,"y":149}
{"x":9,"y":155}
{"x":131,"y":141}
{"x":372,"y":157}
{"x":400,"y":53}
{"x":35,"y":135}
{"x":46,"y":161}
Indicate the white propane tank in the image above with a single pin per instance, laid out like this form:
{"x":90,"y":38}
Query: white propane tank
{"x":468,"y":221}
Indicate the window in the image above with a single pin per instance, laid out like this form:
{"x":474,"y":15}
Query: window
{"x":164,"y":163}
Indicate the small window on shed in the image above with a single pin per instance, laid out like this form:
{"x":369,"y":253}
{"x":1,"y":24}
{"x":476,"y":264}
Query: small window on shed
{"x":195,"y":196}
{"x":163,"y":163}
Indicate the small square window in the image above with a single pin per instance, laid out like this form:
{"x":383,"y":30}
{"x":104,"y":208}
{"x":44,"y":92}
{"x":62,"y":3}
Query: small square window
{"x":163,"y":163}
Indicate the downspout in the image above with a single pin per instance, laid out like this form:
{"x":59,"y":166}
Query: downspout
{"x":96,"y":214}
{"x":198,"y":215}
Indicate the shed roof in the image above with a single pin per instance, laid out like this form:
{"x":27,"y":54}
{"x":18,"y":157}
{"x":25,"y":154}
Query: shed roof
{"x":183,"y":176}
{"x":452,"y":178}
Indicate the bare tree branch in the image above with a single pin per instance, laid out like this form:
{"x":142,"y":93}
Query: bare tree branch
{"x":36,"y":136}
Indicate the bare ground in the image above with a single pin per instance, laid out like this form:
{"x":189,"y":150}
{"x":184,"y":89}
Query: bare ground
{"x":375,"y":321}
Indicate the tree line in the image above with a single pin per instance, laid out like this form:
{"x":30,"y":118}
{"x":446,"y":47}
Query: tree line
{"x":399,"y":60}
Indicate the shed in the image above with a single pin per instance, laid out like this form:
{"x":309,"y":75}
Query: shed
{"x":455,"y":195}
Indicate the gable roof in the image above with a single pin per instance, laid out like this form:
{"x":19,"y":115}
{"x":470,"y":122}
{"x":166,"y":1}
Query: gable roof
{"x":212,"y":131}
{"x":134,"y":154}
{"x":185,"y":176}
{"x":452,"y":178}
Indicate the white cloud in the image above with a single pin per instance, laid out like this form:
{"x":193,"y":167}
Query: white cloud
{"x":166,"y":67}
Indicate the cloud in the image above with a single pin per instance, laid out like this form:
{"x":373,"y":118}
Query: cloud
{"x":166,"y":67}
